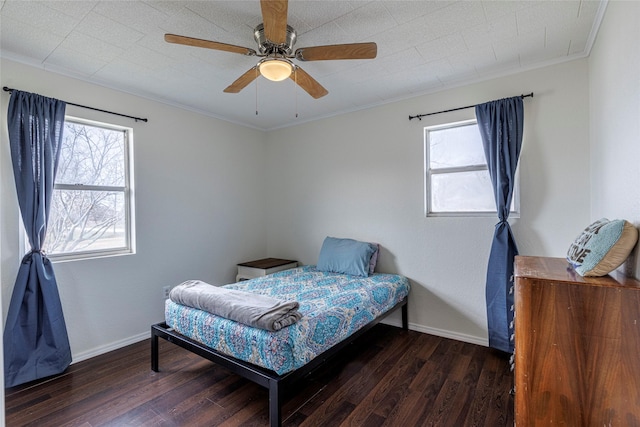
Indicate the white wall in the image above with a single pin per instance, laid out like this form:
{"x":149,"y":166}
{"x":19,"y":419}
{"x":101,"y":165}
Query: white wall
{"x":199,"y":192}
{"x":614,"y":75}
{"x":360,"y":175}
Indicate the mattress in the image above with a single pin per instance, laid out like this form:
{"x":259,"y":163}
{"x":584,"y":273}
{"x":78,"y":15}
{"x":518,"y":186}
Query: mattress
{"x":333,"y":307}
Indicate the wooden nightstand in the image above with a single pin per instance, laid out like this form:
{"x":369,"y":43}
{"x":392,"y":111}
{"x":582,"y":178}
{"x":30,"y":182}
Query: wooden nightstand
{"x":262,"y":267}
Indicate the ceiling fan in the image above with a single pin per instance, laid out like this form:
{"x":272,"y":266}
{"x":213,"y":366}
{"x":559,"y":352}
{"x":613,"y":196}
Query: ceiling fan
{"x":275,"y":46}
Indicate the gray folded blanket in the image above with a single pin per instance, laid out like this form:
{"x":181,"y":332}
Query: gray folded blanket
{"x":259,"y":311}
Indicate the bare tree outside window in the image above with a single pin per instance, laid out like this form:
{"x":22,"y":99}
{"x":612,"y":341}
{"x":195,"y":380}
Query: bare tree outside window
{"x":90,"y":203}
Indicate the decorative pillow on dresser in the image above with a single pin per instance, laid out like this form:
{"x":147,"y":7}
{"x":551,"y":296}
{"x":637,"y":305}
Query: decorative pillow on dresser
{"x":602,"y":247}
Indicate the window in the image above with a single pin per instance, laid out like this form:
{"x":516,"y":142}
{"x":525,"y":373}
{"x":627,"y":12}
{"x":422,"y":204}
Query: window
{"x":457,"y":181}
{"x":91,"y":207}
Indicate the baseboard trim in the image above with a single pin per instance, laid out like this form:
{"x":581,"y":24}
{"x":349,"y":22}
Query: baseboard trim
{"x":471,"y":339}
{"x":109,"y":347}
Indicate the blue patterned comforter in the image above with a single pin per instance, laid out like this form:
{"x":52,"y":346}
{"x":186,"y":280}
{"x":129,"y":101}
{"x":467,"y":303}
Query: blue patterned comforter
{"x":333,"y":307}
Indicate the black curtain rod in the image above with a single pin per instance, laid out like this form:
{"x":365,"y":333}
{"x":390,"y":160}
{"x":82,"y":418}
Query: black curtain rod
{"x":420,"y":116}
{"x":8,"y":89}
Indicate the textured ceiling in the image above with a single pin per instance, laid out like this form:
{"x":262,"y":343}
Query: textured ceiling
{"x":423,"y":46}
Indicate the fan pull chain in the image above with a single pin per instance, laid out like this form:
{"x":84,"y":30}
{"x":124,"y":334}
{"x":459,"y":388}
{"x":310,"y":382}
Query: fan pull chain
{"x":257,"y":90}
{"x":295,"y":91}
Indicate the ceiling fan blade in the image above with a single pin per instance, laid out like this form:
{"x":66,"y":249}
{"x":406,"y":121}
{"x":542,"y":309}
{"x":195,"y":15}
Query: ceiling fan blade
{"x":190,"y":41}
{"x":308,"y":83}
{"x":338,"y":51}
{"x":274,"y":18}
{"x":243,"y":81}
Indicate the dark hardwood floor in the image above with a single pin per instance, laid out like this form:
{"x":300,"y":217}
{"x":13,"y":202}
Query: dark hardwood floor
{"x":389,"y":377}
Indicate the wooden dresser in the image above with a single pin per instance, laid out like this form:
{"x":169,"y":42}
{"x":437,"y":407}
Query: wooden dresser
{"x":577,"y":346}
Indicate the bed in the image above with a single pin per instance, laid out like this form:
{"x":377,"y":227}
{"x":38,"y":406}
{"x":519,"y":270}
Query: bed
{"x":336,"y":309}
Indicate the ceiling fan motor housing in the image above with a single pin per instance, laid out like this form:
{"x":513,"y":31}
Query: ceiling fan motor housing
{"x":267,"y":47}
{"x":276,"y":55}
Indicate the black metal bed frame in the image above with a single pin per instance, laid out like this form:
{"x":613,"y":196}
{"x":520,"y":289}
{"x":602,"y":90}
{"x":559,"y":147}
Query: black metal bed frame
{"x":267,"y":378}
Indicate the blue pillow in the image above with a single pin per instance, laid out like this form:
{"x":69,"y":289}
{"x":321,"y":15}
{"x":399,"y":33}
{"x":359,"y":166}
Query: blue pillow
{"x":345,"y":256}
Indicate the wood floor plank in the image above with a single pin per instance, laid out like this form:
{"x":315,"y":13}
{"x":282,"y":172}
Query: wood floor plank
{"x":141,"y":416}
{"x":78,"y":385}
{"x":188,"y":401}
{"x":355,"y":386}
{"x":426,"y":345}
{"x":389,"y":377}
{"x":130,"y":389}
{"x":387,"y":392}
{"x":408,"y":412}
{"x":442,"y":410}
{"x":395,"y":392}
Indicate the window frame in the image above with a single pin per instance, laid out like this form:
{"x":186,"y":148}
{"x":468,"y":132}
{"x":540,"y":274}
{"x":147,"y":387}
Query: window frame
{"x":127,"y":191}
{"x":428,"y":173}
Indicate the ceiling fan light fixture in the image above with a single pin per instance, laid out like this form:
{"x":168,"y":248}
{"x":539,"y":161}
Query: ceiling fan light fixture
{"x":275,"y":69}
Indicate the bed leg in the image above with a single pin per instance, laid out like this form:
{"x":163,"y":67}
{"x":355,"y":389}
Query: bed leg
{"x":405,"y":317}
{"x":154,"y":351}
{"x":275,"y":404}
